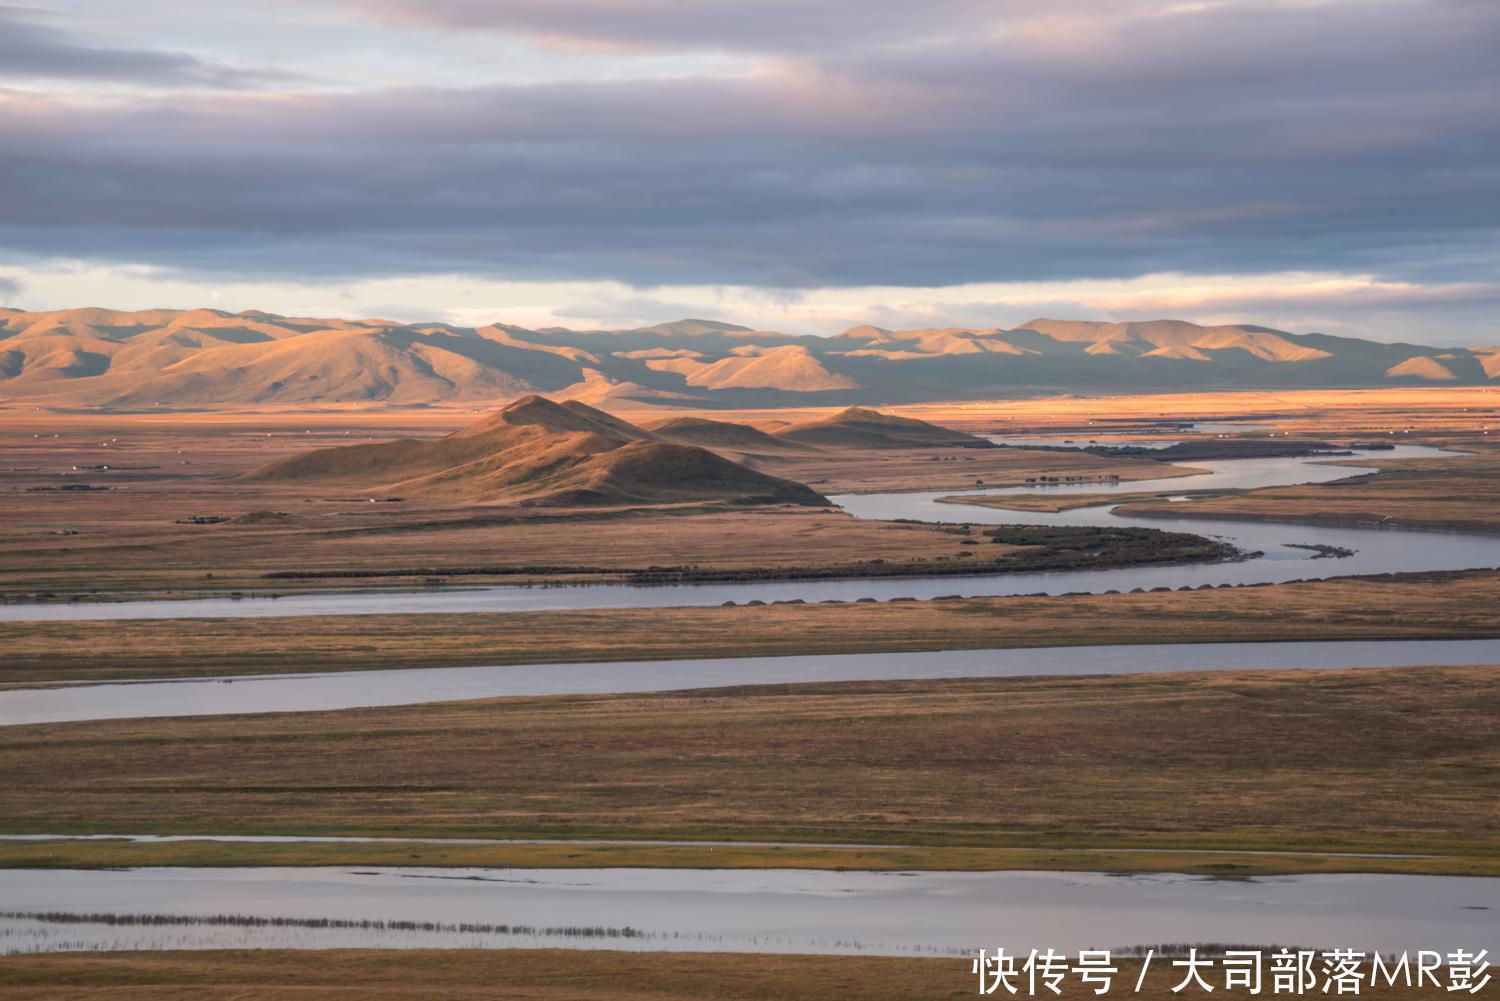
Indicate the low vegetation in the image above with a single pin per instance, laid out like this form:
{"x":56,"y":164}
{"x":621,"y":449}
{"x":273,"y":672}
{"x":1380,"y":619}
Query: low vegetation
{"x":1416,"y":606}
{"x":537,"y":975}
{"x":1068,"y":547}
{"x":534,"y":975}
{"x":538,"y":452}
{"x":175,"y":514}
{"x":1209,"y":449}
{"x":437,"y":852}
{"x":1457,"y":493}
{"x":113,"y":919}
{"x":1395,"y":760}
{"x":476,"y":975}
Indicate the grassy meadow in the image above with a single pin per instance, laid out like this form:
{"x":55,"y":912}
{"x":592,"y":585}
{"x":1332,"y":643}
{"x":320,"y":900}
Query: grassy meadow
{"x":1404,"y":760}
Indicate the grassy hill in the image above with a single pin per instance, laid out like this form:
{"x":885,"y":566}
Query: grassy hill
{"x":536,"y":451}
{"x":722,"y":436}
{"x":860,"y":427}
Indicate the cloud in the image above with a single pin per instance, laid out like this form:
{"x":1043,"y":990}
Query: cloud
{"x":732,"y":25}
{"x":9,"y":288}
{"x":1204,"y":140}
{"x":33,"y":48}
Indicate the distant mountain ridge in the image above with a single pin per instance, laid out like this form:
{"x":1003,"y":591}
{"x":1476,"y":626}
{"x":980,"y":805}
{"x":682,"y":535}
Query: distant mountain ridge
{"x":204,"y":356}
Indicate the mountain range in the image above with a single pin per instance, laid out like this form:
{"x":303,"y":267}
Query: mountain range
{"x":197,"y":357}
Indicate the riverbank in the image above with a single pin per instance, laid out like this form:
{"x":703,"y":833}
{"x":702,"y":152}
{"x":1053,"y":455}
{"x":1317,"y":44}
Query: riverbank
{"x":582,"y":854}
{"x":1456,"y":605}
{"x":1027,"y":549}
{"x":156,"y":505}
{"x":1371,"y":760}
{"x":1452,"y":494}
{"x":474,"y":975}
{"x":539,"y":975}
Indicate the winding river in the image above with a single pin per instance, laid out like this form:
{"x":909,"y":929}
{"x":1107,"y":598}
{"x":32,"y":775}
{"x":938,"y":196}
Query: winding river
{"x":1376,"y":550}
{"x":409,"y":686}
{"x":903,"y":913}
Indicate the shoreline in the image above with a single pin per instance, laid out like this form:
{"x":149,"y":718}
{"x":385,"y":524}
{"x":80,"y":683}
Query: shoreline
{"x":436,"y":852}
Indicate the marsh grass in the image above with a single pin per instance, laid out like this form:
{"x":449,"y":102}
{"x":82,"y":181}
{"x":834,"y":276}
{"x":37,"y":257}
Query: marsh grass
{"x":362,"y":924}
{"x":1370,"y":760}
{"x":1410,"y":606}
{"x":537,"y":975}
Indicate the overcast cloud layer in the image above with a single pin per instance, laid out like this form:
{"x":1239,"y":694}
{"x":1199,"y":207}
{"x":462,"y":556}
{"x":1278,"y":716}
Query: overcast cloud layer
{"x":780,"y":145}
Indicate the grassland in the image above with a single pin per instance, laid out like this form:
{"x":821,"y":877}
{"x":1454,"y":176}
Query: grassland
{"x":1457,"y":493}
{"x":534,"y":975}
{"x":1430,"y":606}
{"x":538,"y":975}
{"x":170,"y":515}
{"x":138,"y":536}
{"x":1215,"y":864}
{"x":1051,"y":502}
{"x":1404,"y":760}
{"x":413,"y":548}
{"x":1425,"y":412}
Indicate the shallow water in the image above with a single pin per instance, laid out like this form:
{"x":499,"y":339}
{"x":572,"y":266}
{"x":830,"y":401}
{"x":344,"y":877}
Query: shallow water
{"x":754,"y":911}
{"x":353,"y":689}
{"x":298,"y":839}
{"x":774,"y":911}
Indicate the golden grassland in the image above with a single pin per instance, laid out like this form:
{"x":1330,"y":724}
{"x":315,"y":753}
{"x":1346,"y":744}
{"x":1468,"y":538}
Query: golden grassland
{"x":1404,"y":402}
{"x":1052,"y":502}
{"x":544,"y":975}
{"x":1457,"y":493}
{"x":1216,"y":863}
{"x":1462,"y":494}
{"x":1151,"y":772}
{"x":154,"y":556}
{"x":137,"y":536}
{"x":1426,"y":410}
{"x":168,"y":468}
{"x":855,"y":471}
{"x":1430,"y":606}
{"x":1389,"y":760}
{"x":534,"y":975}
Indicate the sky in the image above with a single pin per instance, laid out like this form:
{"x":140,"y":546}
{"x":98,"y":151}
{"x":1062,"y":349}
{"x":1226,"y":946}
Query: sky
{"x":1329,"y":165}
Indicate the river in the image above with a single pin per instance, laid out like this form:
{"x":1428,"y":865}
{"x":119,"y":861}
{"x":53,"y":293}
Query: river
{"x":904,"y":913}
{"x":1375,"y":550}
{"x":359,"y":689}
{"x":768,"y":910}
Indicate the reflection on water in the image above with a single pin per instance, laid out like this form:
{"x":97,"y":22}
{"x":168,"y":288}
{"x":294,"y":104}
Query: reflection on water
{"x":57,"y":931}
{"x":734,"y":910}
{"x":353,"y":689}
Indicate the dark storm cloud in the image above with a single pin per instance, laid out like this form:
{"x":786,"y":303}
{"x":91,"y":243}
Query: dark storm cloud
{"x":1354,"y":137}
{"x":34,"y":47}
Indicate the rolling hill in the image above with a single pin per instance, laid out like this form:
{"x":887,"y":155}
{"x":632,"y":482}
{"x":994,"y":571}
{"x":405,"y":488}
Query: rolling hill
{"x":859,"y":427}
{"x":197,"y":357}
{"x":539,"y":452}
{"x":721,"y":436}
